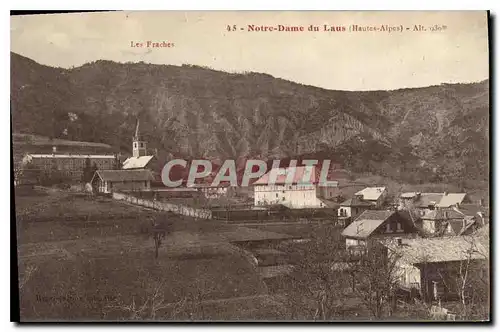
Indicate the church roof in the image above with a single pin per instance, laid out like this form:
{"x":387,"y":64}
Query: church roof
{"x":136,"y":162}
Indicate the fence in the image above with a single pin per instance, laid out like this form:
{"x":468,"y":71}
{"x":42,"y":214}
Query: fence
{"x":248,"y":214}
{"x":163,"y":206}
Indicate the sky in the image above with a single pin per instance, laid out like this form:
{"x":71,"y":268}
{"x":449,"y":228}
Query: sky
{"x":357,"y":60}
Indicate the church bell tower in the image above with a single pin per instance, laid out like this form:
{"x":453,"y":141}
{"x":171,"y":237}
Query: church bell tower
{"x":138,"y":144}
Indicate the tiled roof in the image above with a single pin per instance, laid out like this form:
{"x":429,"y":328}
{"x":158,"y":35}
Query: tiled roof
{"x":426,"y":199}
{"x":366,"y":223}
{"x":125,"y":175}
{"x":451,"y":199}
{"x":354,"y":201}
{"x":70,"y":156}
{"x":442,"y":249}
{"x":136,"y":162}
{"x":282,"y":173}
{"x":437,"y":199}
{"x":371,"y":193}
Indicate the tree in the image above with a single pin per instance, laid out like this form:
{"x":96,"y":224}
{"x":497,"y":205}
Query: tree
{"x":470,"y":281}
{"x":318,"y":288}
{"x":377,"y":275}
{"x":156,"y":228}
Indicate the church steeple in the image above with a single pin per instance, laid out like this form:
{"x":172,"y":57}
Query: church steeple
{"x":138,"y":144}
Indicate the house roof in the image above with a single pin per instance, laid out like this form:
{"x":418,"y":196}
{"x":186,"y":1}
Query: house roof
{"x":451,"y":199}
{"x":409,"y":195}
{"x":354,"y":201}
{"x":125,"y":175}
{"x":71,"y":156}
{"x":371,"y":193}
{"x":296,"y":178}
{"x":437,"y":199}
{"x":136,"y":162}
{"x":440,"y":249}
{"x":366,"y":223}
{"x":329,"y":203}
{"x":426,"y":199}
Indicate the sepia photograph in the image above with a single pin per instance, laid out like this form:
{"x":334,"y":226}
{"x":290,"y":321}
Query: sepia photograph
{"x":251,"y":166}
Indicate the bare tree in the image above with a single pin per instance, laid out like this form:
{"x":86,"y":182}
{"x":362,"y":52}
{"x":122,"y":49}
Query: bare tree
{"x":470,"y":281}
{"x":318,"y":287}
{"x":377,"y":276}
{"x":156,"y":228}
{"x":143,"y":309}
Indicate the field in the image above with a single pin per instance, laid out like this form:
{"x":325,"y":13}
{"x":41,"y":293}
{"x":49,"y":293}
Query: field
{"x":97,"y":265}
{"x":82,"y":258}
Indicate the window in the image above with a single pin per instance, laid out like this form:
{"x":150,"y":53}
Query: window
{"x":398,"y":227}
{"x":388,"y":228}
{"x":142,"y":145}
{"x":276,"y":195}
{"x":283,"y":198}
{"x":135,"y":144}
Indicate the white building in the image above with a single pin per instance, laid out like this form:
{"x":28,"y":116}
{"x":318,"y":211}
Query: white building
{"x":374,"y":195}
{"x":139,"y":159}
{"x":290,"y":188}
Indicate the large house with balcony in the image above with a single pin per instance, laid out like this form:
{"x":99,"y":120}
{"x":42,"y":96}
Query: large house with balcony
{"x":379,"y":226}
{"x":294,"y":187}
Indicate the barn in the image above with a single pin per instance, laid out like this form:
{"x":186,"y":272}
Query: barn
{"x":107,"y":181}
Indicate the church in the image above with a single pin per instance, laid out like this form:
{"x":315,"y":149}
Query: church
{"x":140,"y":158}
{"x":135,"y":173}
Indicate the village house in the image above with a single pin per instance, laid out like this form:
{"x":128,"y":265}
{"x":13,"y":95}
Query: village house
{"x":296,"y":194}
{"x":70,"y":165}
{"x":448,"y":222}
{"x":377,"y":226}
{"x":351,"y":208}
{"x":479,"y":212}
{"x":374,"y":195}
{"x":426,"y":202}
{"x":431,"y":266}
{"x":108,"y":181}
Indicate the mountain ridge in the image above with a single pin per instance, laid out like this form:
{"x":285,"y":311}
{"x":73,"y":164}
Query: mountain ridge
{"x":197,"y":112}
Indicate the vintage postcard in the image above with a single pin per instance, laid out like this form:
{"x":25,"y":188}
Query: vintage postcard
{"x":251,"y":166}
